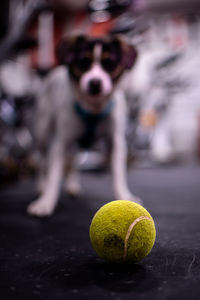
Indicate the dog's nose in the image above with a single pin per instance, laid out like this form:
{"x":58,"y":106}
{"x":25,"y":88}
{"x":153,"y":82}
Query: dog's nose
{"x":95,"y":87}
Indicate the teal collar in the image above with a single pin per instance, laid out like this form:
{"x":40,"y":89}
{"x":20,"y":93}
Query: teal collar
{"x":91,"y":122}
{"x":86,"y":115}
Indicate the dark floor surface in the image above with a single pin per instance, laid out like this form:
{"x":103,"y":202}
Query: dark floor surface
{"x":52,"y":259}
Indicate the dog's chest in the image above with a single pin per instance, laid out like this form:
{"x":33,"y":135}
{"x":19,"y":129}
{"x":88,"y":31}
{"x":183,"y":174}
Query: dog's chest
{"x":94,"y":125}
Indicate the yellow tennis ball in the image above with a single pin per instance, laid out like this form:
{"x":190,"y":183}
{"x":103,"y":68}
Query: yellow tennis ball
{"x":122,"y":231}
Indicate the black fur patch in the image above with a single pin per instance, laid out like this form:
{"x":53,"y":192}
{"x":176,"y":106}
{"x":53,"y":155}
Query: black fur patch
{"x":78,"y":55}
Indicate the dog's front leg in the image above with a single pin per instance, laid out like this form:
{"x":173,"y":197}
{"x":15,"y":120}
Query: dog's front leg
{"x":72,"y":183}
{"x":119,"y":151}
{"x":45,"y":204}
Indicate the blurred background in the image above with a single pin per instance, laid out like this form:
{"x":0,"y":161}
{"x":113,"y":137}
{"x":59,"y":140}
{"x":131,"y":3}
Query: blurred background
{"x":164,"y":94}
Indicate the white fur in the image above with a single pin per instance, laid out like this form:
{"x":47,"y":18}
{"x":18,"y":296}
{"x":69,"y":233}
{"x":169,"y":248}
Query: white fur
{"x":96,"y":72}
{"x":119,"y":152}
{"x":97,"y":52}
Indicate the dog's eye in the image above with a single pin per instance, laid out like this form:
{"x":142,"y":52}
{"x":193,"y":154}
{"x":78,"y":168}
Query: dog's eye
{"x":109,"y":64}
{"x":83,"y":63}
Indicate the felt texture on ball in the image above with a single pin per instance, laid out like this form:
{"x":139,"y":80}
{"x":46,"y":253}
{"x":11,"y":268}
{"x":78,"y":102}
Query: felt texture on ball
{"x":122,"y":231}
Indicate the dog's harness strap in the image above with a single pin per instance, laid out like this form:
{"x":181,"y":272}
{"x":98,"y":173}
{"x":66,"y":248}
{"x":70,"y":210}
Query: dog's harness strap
{"x":91,"y":122}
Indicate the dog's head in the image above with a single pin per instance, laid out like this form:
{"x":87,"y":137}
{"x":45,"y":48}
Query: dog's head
{"x":95,"y":66}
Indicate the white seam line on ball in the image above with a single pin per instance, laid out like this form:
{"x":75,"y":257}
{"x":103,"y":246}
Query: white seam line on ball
{"x":129,"y":233}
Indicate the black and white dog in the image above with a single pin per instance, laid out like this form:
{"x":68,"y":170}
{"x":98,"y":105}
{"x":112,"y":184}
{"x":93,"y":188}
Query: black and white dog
{"x":80,"y":99}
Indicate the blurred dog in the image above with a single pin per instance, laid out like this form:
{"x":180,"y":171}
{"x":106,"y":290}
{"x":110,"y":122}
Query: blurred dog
{"x":80,"y":103}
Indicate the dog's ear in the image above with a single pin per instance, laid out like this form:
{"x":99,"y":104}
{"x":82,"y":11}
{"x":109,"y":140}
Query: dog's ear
{"x":63,"y":51}
{"x":66,"y":49}
{"x":129,"y":52}
{"x":129,"y":56}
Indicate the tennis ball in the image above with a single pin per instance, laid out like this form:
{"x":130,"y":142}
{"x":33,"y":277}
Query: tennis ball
{"x":122,"y":231}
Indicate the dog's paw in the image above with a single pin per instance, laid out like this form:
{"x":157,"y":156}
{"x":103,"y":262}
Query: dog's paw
{"x":40,"y":208}
{"x":127,"y":195}
{"x":136,"y":200}
{"x":73,"y":187}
